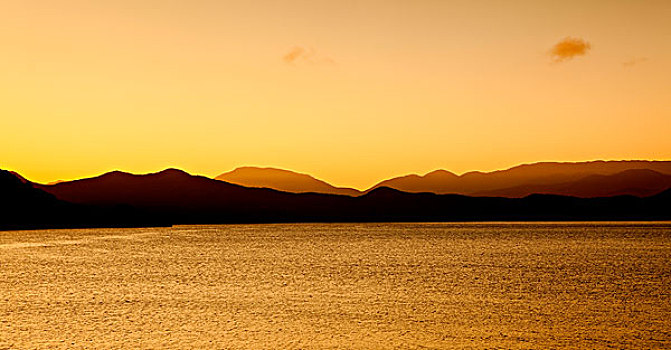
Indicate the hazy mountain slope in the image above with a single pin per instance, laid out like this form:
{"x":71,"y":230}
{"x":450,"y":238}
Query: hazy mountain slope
{"x":635,"y":182}
{"x":439,"y":181}
{"x":546,"y":173}
{"x":282,"y":180}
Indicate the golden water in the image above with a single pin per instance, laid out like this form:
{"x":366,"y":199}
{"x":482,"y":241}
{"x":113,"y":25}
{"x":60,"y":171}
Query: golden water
{"x":329,"y":286}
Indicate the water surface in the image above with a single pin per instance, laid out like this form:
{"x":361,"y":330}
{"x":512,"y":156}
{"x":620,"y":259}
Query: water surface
{"x":330,"y":286}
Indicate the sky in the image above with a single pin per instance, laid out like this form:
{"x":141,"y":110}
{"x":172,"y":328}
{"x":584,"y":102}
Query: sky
{"x":352,"y":92}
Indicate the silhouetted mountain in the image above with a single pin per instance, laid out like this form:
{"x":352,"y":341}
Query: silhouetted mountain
{"x":18,"y":176}
{"x":635,"y":182}
{"x":519,"y":177}
{"x":174,"y":197}
{"x":439,"y":181}
{"x":23,"y":206}
{"x":386,"y":204}
{"x":18,"y":193}
{"x":282,"y":180}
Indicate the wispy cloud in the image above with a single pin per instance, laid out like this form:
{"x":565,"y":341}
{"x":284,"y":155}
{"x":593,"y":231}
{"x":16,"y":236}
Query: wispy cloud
{"x":294,"y":54}
{"x":299,"y":54}
{"x":568,"y":48}
{"x":634,"y":61}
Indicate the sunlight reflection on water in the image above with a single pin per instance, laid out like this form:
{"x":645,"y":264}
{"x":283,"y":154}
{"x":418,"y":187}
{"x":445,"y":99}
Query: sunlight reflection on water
{"x":484,"y":285}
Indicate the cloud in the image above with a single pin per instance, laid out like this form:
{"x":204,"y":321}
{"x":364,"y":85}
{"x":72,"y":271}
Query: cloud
{"x":634,"y":61}
{"x":294,"y":54}
{"x":299,"y":54}
{"x":569,"y":48}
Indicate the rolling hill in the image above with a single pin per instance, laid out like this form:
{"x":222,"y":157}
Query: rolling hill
{"x":282,"y":180}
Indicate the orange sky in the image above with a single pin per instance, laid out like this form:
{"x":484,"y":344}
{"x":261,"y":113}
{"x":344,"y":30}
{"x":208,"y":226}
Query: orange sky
{"x":350,"y":91}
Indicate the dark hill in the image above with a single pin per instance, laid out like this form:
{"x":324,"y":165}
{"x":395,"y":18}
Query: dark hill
{"x":17,"y":193}
{"x":174,"y":195}
{"x":23,"y":206}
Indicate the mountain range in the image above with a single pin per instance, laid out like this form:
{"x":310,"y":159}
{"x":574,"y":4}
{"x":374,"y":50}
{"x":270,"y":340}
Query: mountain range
{"x":173,"y":196}
{"x":573,"y":179}
{"x":583,"y":179}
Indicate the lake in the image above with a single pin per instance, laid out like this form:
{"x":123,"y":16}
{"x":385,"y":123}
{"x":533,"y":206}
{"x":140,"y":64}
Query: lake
{"x":339,"y":286}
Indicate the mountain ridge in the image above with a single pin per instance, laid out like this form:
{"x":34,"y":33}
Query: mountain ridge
{"x":514,"y":182}
{"x":173,"y":197}
{"x":542,"y":173}
{"x":282,"y":180}
{"x":636,"y":182}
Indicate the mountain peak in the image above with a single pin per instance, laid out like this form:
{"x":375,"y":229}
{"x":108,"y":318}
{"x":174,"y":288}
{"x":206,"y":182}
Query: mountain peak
{"x":117,"y":173}
{"x":249,"y":168}
{"x":172,"y":172}
{"x":440,"y":173}
{"x":383,"y":191}
{"x":282,"y":180}
{"x":164,"y":172}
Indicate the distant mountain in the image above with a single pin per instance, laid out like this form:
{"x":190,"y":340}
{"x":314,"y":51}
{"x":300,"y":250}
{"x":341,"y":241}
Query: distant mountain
{"x":55,"y":182}
{"x":172,"y":197}
{"x":513,"y":181}
{"x":439,"y":181}
{"x":282,"y":180}
{"x":635,"y":182}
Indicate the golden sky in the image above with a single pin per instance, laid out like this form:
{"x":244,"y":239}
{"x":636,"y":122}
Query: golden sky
{"x":351,"y":92}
